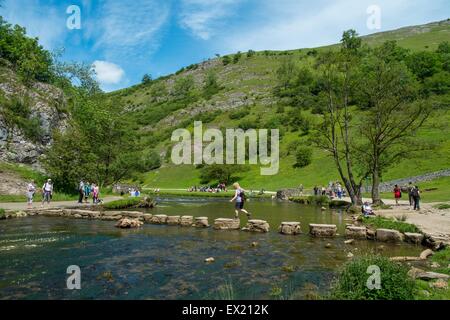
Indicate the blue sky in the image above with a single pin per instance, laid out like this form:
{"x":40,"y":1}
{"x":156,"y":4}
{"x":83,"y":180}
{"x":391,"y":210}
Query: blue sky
{"x":125,"y":39}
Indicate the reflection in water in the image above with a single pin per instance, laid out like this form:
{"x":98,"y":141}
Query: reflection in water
{"x":162,"y":262}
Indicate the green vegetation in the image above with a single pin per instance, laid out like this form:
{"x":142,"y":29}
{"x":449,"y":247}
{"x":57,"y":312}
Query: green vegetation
{"x":385,"y":223}
{"x":38,"y":197}
{"x":442,"y":206}
{"x":228,"y":194}
{"x":351,"y":283}
{"x":123,"y":203}
{"x":2,"y":213}
{"x":23,"y":171}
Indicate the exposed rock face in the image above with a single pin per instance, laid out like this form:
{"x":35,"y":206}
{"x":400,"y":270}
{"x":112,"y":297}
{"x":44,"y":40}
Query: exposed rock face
{"x":290,"y":228}
{"x":186,"y":221}
{"x":201,"y":222}
{"x":46,"y":104}
{"x":356,"y":232}
{"x":227,"y":224}
{"x":148,"y":217}
{"x":173,"y":220}
{"x":388,"y":235}
{"x":322,"y":230}
{"x":127,"y":223}
{"x":159,"y":219}
{"x":415,"y":238}
{"x":257,"y":226}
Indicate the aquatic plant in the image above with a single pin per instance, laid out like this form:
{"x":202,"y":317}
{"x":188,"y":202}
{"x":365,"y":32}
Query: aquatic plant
{"x":352,"y":280}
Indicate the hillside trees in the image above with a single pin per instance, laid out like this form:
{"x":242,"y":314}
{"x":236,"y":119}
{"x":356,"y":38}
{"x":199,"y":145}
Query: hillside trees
{"x":211,"y":85}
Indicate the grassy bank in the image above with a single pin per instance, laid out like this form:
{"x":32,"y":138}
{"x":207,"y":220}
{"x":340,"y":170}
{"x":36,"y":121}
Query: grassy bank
{"x":37,"y":198}
{"x":385,"y":223}
{"x":228,"y":194}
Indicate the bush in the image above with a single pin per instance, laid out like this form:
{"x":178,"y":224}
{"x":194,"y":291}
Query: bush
{"x":351,"y":283}
{"x":2,"y":214}
{"x":239,"y":114}
{"x":303,"y":157}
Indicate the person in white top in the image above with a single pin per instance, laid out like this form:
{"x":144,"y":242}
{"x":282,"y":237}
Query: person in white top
{"x":31,"y":190}
{"x":47,"y":190}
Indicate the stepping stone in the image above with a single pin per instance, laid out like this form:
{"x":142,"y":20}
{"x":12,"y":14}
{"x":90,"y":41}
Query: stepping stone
{"x":388,"y":235}
{"x":415,"y":238}
{"x":227,"y":224}
{"x":290,"y":228}
{"x":257,"y":226}
{"x":186,"y":221}
{"x":159,"y":219}
{"x":356,"y":232}
{"x":201,"y":222}
{"x":173,"y":220}
{"x":322,"y":230}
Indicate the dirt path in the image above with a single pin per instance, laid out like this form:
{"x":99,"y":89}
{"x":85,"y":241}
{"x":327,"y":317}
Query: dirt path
{"x":430,"y":220}
{"x":55,"y":204}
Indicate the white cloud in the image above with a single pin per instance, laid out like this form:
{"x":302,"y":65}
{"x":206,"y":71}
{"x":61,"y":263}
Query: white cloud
{"x":204,"y":17}
{"x":108,"y":73}
{"x":129,"y":29}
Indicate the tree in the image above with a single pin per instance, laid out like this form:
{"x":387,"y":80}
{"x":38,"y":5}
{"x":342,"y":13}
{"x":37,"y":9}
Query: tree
{"x":237,"y":57}
{"x":250,"y":53}
{"x":219,"y":173}
{"x":303,"y":157}
{"x":226,"y":60}
{"x":394,"y":115}
{"x":147,"y":78}
{"x":211,"y":86}
{"x":424,"y":64}
{"x":338,"y":74}
{"x":183,"y":88}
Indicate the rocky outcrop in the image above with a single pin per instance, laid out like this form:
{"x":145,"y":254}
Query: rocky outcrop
{"x":290,"y":228}
{"x":322,"y":230}
{"x":415,"y":238}
{"x":226,"y":224}
{"x":257,"y":226}
{"x":173,"y":220}
{"x":46,"y":104}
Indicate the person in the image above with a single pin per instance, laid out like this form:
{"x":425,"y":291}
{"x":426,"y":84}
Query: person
{"x":410,"y":195}
{"x":239,"y":197}
{"x":339,"y":190}
{"x":81,"y":191}
{"x":367,"y":209}
{"x":87,"y":191}
{"x":397,"y":194}
{"x":47,"y":192}
{"x":95,"y":193}
{"x":31,"y":190}
{"x":416,"y":198}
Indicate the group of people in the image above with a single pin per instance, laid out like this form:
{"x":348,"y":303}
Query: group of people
{"x":47,"y":192}
{"x":221,"y":187}
{"x":413,"y":195}
{"x":333,"y":190}
{"x":85,"y":190}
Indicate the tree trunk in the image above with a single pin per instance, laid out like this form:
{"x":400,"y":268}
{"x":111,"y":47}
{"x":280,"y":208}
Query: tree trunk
{"x":376,"y":200}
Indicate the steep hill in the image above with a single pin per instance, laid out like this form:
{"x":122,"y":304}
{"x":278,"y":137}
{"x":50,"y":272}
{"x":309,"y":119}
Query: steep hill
{"x":246,"y":99}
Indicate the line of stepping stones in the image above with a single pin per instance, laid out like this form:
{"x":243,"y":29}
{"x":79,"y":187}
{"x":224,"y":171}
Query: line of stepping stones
{"x":126,"y":219}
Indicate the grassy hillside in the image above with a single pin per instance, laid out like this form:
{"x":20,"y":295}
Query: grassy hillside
{"x":246,"y":99}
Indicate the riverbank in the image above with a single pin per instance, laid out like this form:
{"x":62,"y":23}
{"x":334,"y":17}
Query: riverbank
{"x":53,"y":204}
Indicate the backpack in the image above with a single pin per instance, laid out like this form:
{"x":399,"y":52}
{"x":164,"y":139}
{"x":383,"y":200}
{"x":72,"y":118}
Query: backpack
{"x":242,"y":194}
{"x":415,"y":192}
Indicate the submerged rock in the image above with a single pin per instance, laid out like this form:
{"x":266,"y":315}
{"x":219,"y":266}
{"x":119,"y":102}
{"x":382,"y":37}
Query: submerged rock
{"x":257,"y":226}
{"x":209,"y":260}
{"x":290,"y":228}
{"x":227,"y":224}
{"x":159,"y":219}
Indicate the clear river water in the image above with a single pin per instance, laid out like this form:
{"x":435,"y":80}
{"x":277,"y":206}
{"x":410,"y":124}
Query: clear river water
{"x":168,"y":262}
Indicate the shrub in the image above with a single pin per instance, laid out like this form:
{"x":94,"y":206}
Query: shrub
{"x":319,"y":200}
{"x":239,"y":114}
{"x":303,"y":157}
{"x":351,"y":283}
{"x":2,"y":214}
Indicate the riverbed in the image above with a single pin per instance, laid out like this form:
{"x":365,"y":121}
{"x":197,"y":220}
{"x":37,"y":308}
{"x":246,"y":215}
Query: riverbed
{"x":168,"y":262}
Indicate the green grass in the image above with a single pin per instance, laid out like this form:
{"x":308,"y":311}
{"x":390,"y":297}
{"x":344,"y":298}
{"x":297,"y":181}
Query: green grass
{"x":228,"y":194}
{"x":23,"y":171}
{"x":385,"y":223}
{"x":443,"y":259}
{"x":2,"y":213}
{"x":442,"y":206}
{"x":38,"y":197}
{"x":122,"y":203}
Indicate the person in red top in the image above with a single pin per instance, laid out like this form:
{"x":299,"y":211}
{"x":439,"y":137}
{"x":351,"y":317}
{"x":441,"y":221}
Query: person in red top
{"x":397,"y":194}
